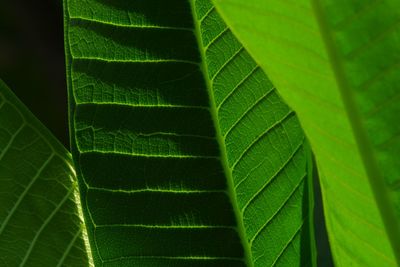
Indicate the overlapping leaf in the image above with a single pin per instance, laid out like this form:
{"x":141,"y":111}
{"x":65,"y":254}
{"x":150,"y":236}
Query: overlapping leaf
{"x":265,"y":147}
{"x":39,"y":220}
{"x":185,"y":154}
{"x":336,"y":63}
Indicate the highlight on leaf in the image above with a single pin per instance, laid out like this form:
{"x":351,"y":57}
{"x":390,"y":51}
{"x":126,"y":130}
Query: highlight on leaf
{"x":201,"y":134}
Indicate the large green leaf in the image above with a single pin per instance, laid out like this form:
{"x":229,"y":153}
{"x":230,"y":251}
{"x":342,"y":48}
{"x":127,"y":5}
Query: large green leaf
{"x":336,"y":63}
{"x":39,"y":219}
{"x":184,"y":158}
{"x":265,"y":147}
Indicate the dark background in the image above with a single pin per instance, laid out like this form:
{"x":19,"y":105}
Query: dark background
{"x":32,"y":59}
{"x":32,"y":64}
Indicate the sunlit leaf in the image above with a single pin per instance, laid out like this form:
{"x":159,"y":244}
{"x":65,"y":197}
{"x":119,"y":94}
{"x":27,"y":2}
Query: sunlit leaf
{"x":336,"y":63}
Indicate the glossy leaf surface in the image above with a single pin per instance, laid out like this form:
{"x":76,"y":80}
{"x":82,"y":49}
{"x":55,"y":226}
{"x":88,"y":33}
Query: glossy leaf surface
{"x":39,"y":220}
{"x":336,"y":63}
{"x":186,"y":155}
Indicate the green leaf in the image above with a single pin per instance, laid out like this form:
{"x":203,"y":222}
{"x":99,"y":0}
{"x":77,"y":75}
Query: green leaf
{"x":39,"y":220}
{"x":261,"y":137}
{"x":186,"y":155}
{"x":336,"y":63}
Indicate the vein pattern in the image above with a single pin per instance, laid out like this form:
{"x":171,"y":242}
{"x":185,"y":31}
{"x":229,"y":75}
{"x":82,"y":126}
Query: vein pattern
{"x":265,"y":147}
{"x":154,"y":178}
{"x":39,"y":221}
{"x":336,"y":63}
{"x":154,"y":190}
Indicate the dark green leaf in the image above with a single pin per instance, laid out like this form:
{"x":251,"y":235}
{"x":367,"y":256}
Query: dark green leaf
{"x":186,"y":155}
{"x":39,"y":220}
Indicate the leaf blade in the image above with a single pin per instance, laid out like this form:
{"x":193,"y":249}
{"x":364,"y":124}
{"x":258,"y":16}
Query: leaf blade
{"x":146,"y":133}
{"x":33,"y":220}
{"x":333,"y":47}
{"x":250,"y":101}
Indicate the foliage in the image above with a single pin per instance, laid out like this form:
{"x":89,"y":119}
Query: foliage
{"x":39,"y":220}
{"x":185,"y":153}
{"x":330,"y":61}
{"x":200,"y":140}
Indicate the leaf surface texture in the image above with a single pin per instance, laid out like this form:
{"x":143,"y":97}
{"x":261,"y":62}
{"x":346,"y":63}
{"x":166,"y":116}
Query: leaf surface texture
{"x":336,"y":63}
{"x":185,"y":154}
{"x":39,"y":220}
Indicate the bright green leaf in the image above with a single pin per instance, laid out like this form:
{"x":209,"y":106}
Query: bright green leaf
{"x":39,"y":220}
{"x":336,"y":63}
{"x":186,"y":155}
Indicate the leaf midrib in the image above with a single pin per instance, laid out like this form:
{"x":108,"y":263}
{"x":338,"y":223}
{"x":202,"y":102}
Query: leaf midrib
{"x":220,"y":139}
